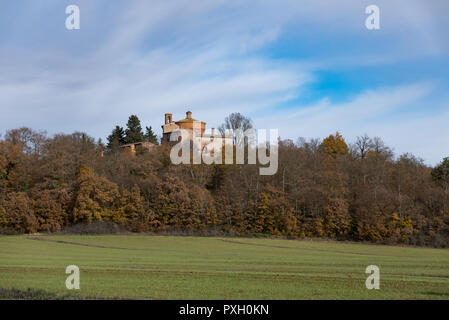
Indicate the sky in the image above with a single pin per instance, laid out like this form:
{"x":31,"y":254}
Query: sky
{"x":308,"y":68}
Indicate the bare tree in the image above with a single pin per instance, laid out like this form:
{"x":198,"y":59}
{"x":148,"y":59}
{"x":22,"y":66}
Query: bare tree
{"x":381,"y":149}
{"x":29,"y":140}
{"x":363,"y":144}
{"x":238,"y":123}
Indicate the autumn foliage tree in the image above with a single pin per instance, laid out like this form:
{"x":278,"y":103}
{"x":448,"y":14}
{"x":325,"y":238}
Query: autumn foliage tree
{"x":95,"y":198}
{"x":335,"y":145}
{"x":322,"y":189}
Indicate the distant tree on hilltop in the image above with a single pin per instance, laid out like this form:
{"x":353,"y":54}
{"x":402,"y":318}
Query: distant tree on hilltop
{"x":335,"y":145}
{"x":133,"y":130}
{"x":150,"y":136}
{"x":440,"y":174}
{"x":236,"y":121}
{"x":117,"y":137}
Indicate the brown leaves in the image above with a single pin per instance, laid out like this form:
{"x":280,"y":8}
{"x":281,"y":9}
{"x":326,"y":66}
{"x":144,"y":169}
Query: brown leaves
{"x":335,"y":145}
{"x":320,"y":190}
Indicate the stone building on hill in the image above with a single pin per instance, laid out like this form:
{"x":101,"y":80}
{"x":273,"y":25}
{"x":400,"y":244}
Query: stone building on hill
{"x":171,"y":127}
{"x":133,"y":147}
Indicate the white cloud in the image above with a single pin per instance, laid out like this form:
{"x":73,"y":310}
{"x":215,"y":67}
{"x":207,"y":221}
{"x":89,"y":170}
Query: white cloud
{"x":396,"y":114}
{"x":151,"y":57}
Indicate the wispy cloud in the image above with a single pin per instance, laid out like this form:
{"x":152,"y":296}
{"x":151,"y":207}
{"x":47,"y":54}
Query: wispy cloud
{"x":396,"y":114}
{"x":215,"y":57}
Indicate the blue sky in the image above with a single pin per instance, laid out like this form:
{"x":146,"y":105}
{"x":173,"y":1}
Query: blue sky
{"x":308,"y":68}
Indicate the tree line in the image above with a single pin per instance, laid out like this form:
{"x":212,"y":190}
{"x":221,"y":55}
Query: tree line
{"x":323,"y":188}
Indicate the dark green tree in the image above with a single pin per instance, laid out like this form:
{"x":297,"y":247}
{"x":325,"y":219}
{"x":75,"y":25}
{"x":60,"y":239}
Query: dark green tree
{"x":133,"y":130}
{"x":150,"y":136}
{"x":117,"y":137}
{"x":440,"y":173}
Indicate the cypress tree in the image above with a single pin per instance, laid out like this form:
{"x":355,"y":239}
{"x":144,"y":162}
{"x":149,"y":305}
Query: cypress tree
{"x":117,"y":137}
{"x":134,"y":130}
{"x":150,"y":136}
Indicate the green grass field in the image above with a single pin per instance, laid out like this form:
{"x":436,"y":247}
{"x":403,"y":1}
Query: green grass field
{"x":167,"y":267}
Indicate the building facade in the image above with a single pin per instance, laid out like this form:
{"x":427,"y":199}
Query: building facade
{"x":171,"y":134}
{"x":171,"y":130}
